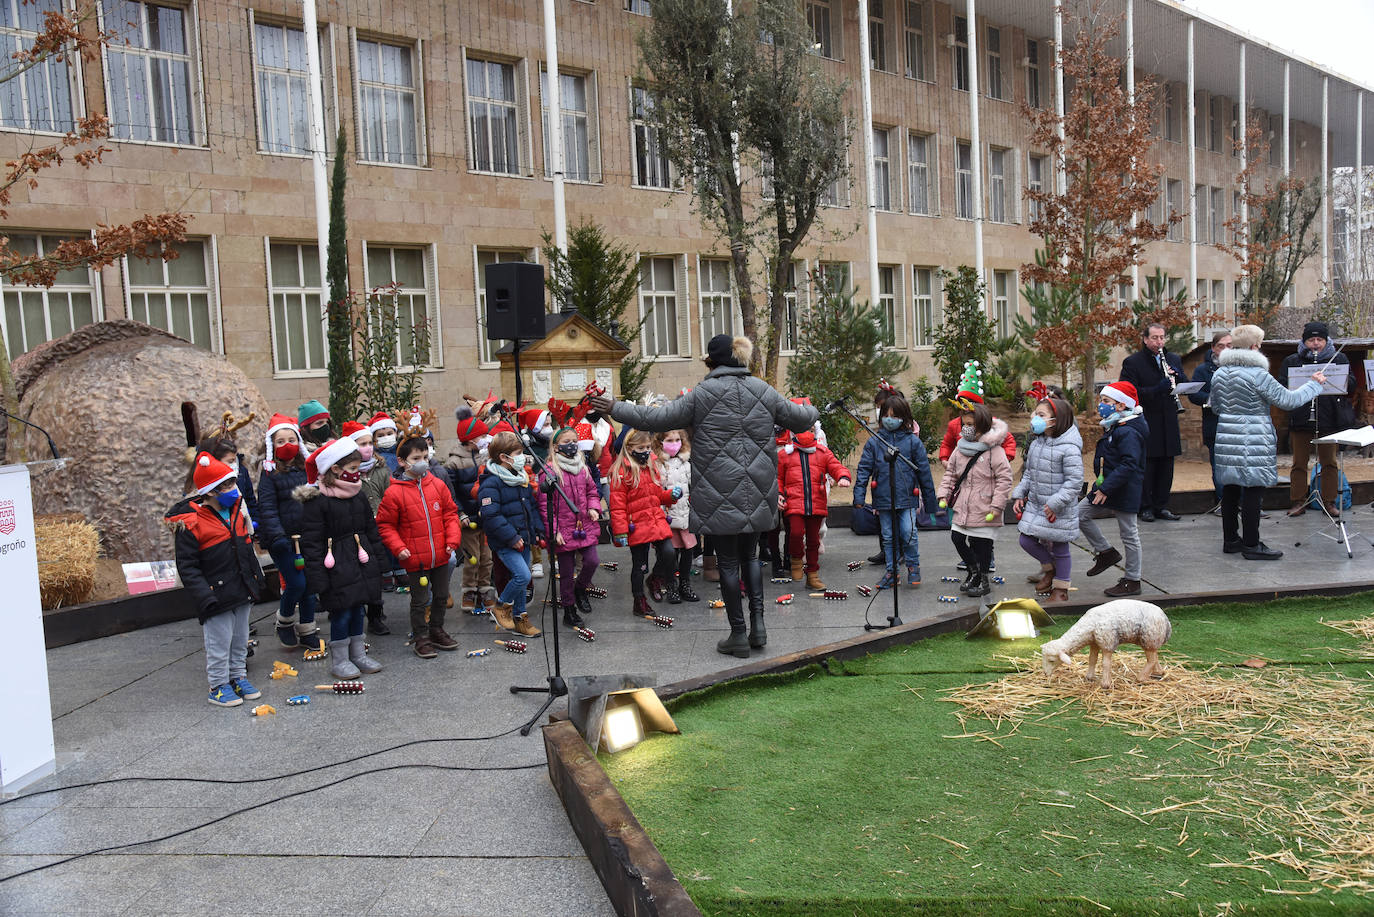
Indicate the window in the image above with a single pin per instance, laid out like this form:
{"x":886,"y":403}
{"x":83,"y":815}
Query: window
{"x":493,"y":117}
{"x":390,"y":117}
{"x":1216,"y":122}
{"x":1155,"y":213}
{"x":833,"y":275}
{"x":1200,"y":209}
{"x":1175,"y":285}
{"x":1275,"y":139}
{"x":414,"y":302}
{"x":963,"y":180}
{"x":651,"y":167}
{"x":961,"y":53}
{"x":660,"y":286}
{"x":1123,"y":296}
{"x":923,"y":293}
{"x":1001,"y":186}
{"x":581,"y":152}
{"x":818,"y":19}
{"x":40,"y":98}
{"x":1033,"y":73}
{"x":293,"y":287}
{"x":1173,"y":198}
{"x":792,"y":319}
{"x":1200,"y":119}
{"x":1035,"y":181}
{"x":877,"y":35}
{"x":882,"y":169}
{"x":915,"y":40}
{"x":994,"y":63}
{"x":892,"y":307}
{"x":150,"y":77}
{"x":920,"y":190}
{"x":178,"y":295}
{"x":1219,"y":300}
{"x":1235,"y":129}
{"x":1170,"y":107}
{"x":283,"y":94}
{"x":1218,"y":213}
{"x":642,"y":7}
{"x":1003,"y":301}
{"x":717,"y":298}
{"x":1202,"y":289}
{"x":486,"y":350}
{"x":837,"y":194}
{"x":33,"y":315}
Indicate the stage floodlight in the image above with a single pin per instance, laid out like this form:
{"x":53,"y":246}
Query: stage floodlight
{"x":1012,"y":619}
{"x":621,"y":729}
{"x":615,"y":711}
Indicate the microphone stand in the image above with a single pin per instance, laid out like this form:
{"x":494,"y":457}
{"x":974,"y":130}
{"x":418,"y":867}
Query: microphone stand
{"x":36,"y":427}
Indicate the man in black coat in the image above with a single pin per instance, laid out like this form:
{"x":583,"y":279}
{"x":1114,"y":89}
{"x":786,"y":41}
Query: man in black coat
{"x":1161,"y":408}
{"x":1326,"y":414}
{"x":1221,"y":342}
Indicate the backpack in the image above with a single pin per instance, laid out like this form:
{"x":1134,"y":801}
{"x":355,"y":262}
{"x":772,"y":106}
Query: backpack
{"x":1344,"y":497}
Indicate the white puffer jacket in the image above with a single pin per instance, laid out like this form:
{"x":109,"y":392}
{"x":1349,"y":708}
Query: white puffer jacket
{"x":677,"y":472}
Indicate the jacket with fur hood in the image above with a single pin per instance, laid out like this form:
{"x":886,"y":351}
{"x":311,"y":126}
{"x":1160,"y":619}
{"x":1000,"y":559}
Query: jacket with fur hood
{"x":1052,"y":480}
{"x":419,"y":517}
{"x":1242,"y":391}
{"x":341,"y":526}
{"x":215,"y":558}
{"x":463,"y":468}
{"x":987,"y":485}
{"x":802,"y":476}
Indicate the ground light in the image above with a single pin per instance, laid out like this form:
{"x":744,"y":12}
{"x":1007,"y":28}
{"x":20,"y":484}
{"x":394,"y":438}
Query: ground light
{"x":1012,"y":619}
{"x":615,"y":711}
{"x":621,"y":728}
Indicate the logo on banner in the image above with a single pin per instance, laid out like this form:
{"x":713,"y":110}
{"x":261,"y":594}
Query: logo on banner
{"x":6,"y":517}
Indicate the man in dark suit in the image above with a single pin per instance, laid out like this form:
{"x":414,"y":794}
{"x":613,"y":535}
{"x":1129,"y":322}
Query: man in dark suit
{"x":1154,"y":371}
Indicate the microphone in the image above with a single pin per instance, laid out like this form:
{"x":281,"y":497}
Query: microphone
{"x":47,"y":436}
{"x":837,"y":403}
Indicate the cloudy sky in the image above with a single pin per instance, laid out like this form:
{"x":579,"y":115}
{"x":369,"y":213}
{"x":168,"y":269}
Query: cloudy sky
{"x":1335,"y":33}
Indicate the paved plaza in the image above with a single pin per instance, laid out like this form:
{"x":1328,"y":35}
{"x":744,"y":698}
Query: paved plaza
{"x":417,"y":839}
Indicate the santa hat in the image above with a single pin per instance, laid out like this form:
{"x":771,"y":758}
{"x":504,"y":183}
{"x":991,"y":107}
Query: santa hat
{"x":278,"y":422}
{"x":352,"y":428}
{"x":533,"y":418}
{"x":470,"y":428}
{"x":1123,"y":392}
{"x":970,"y":387}
{"x":586,"y":439}
{"x":327,"y":456}
{"x":210,"y":473}
{"x":502,"y":427}
{"x":310,"y":412}
{"x":381,"y":421}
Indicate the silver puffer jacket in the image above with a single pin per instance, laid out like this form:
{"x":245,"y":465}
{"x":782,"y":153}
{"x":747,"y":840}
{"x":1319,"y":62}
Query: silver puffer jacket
{"x":1242,"y":391}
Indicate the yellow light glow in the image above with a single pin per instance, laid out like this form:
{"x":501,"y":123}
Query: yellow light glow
{"x":1014,"y":624}
{"x":622,"y":729}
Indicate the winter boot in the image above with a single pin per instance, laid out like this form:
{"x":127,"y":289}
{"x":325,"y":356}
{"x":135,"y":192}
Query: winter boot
{"x":525,"y":627}
{"x":469,"y":600}
{"x":798,"y":565}
{"x":501,"y":614}
{"x":655,"y":584}
{"x":286,"y":632}
{"x":376,"y":621}
{"x":357,"y":654}
{"x":1104,"y":561}
{"x":673,"y":595}
{"x":709,"y":571}
{"x":570,"y":616}
{"x":1038,"y":578}
{"x":758,"y":634}
{"x":685,"y":592}
{"x":584,"y":601}
{"x":737,"y":644}
{"x":641,"y":607}
{"x":339,"y":665}
{"x":813,"y":581}
{"x":972,"y":575}
{"x":980,"y":585}
{"x":1058,"y":594}
{"x":1045,"y":582}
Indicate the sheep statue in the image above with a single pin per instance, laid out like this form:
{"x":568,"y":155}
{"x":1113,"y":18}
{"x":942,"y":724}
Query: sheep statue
{"x":1106,"y":626}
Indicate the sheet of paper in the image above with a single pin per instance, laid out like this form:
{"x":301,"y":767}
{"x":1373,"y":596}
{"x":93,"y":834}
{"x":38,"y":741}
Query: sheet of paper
{"x":1369,"y":375}
{"x":1187,"y":388}
{"x":1337,"y":375}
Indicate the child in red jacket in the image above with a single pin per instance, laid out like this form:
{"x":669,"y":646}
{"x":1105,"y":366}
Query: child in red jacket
{"x":802,"y":475}
{"x":638,"y":500}
{"x":418,"y":522}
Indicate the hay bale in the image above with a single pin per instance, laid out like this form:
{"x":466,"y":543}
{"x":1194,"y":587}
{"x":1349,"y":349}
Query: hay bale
{"x":67,"y":552}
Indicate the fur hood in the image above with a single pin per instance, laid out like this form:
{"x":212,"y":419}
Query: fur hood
{"x":305,"y":493}
{"x":1238,"y":357}
{"x":996,"y":434}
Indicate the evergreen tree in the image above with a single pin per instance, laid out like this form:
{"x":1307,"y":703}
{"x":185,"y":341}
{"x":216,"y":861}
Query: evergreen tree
{"x":343,"y":386}
{"x":967,"y":332}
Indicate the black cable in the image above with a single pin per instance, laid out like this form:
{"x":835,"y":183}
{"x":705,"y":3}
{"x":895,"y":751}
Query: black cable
{"x":264,"y":803}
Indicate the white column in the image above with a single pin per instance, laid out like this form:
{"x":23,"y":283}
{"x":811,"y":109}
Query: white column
{"x":317,"y":165}
{"x":1130,"y":97}
{"x":870,"y":193}
{"x":975,"y":137}
{"x":1060,"y":178}
{"x":555,"y":138}
{"x":1244,"y":146}
{"x":1287,"y":124}
{"x":1192,"y":166}
{"x":1359,"y":186}
{"x":1326,"y":183}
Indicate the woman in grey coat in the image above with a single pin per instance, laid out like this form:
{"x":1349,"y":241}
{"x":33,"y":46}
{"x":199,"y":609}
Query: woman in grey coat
{"x":734,"y":492}
{"x":1242,"y":391}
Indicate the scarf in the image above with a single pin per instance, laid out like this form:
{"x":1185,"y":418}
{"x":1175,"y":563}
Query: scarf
{"x":342,"y":490}
{"x":367,"y":466}
{"x":512,"y":478}
{"x":574,"y":465}
{"x":973,"y":447}
{"x":1326,"y":354}
{"x":1112,"y":420}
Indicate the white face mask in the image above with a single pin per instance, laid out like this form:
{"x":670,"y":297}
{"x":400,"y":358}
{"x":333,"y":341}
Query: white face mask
{"x":386,"y":441}
{"x":519,"y":461}
{"x":431,"y":452}
{"x":481,"y":443}
{"x":787,"y":449}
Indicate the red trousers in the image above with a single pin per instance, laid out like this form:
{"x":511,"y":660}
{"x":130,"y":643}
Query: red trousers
{"x":808,"y":529}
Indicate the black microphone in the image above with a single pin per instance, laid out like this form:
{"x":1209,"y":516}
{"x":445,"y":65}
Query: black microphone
{"x":27,"y":423}
{"x":837,"y":403}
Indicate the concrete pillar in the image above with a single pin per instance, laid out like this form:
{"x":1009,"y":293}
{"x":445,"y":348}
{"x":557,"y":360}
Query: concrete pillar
{"x":1059,"y":177}
{"x":1130,"y":97}
{"x":1326,"y":182}
{"x":1359,"y":186}
{"x":975,"y":137}
{"x":318,"y":170}
{"x":1192,"y":165}
{"x":870,"y":193}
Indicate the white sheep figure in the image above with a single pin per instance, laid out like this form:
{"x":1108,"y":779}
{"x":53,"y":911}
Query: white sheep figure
{"x":1103,"y":628}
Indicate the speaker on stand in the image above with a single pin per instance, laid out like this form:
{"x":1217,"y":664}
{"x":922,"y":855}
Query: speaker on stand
{"x":515,"y":308}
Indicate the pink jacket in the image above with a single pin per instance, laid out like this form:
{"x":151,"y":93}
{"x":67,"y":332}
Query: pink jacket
{"x":987,"y":486}
{"x":581,"y":489}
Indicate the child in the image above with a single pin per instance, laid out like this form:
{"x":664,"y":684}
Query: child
{"x":769,"y":547}
{"x":576,"y":528}
{"x":221,"y":446}
{"x":802,"y":476}
{"x":383,"y":430}
{"x":676,"y":450}
{"x":465,"y":461}
{"x":898,"y":431}
{"x":375,"y":479}
{"x":220,"y":570}
{"x":418,"y":522}
{"x":283,"y":470}
{"x":970,"y":393}
{"x":1047,"y":495}
{"x":510,"y":517}
{"x":1119,"y":471}
{"x":638,"y":498}
{"x":312,"y":419}
{"x":342,"y":552}
{"x":976,"y":484}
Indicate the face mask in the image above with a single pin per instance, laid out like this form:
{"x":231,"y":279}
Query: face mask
{"x":1038,"y":424}
{"x":430,"y":453}
{"x":518,"y":461}
{"x":287,"y":452}
{"x":419,"y":468}
{"x":892,"y":424}
{"x":1105,"y":410}
{"x":481,"y":443}
{"x":386,"y":442}
{"x":593,"y":416}
{"x":966,"y":431}
{"x":228,"y":498}
{"x":350,"y":476}
{"x":777,"y":431}
{"x":567,"y":449}
{"x":323,"y":433}
{"x":641,"y":456}
{"x":671,"y":449}
{"x":366,"y":452}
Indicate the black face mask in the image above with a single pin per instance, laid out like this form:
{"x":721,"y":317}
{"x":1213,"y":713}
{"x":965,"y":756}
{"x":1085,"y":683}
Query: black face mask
{"x":568,"y":449}
{"x":593,"y":416}
{"x":640,"y":456}
{"x":321,"y":434}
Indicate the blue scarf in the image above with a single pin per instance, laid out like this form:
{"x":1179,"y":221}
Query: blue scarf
{"x":513,"y":478}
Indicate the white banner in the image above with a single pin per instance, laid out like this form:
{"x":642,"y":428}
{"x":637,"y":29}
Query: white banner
{"x":26,"y":743}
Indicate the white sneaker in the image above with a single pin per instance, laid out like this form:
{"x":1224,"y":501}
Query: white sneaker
{"x":537,"y":571}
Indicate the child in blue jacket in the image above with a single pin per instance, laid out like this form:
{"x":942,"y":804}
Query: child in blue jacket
{"x":1119,"y":470}
{"x":897,"y":431}
{"x":510,"y":517}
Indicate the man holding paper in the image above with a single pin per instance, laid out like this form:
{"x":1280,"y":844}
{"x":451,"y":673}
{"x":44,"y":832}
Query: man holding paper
{"x":1326,"y":414}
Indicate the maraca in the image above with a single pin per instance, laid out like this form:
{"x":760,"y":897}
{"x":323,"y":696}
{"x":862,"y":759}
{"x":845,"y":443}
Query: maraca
{"x":343,"y":687}
{"x":362,"y":555}
{"x":424,"y":581}
{"x":329,"y":554}
{"x":299,"y":561}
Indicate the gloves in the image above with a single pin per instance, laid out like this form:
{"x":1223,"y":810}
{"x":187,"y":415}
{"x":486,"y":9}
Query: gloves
{"x":676,"y":491}
{"x":620,"y":541}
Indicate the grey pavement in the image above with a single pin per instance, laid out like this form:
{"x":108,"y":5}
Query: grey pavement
{"x":419,"y":838}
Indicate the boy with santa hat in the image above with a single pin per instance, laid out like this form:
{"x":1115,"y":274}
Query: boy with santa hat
{"x":1119,"y":465}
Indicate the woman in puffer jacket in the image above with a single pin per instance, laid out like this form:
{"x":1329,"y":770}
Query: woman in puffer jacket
{"x":638,"y":518}
{"x":1047,"y":495}
{"x":976,"y":485}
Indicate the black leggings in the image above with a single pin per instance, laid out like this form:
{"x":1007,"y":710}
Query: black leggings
{"x":664,"y":562}
{"x":1245,"y":502}
{"x":974,"y":551}
{"x":735,"y":556}
{"x":684,"y":566}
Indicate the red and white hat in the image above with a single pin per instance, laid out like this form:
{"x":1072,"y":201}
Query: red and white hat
{"x":533,"y":418}
{"x":470,"y":428}
{"x":277,"y":423}
{"x":210,"y":473}
{"x":586,"y":439}
{"x":1123,"y":392}
{"x":381,"y":421}
{"x":352,"y":428}
{"x":502,"y":427}
{"x":327,"y":456}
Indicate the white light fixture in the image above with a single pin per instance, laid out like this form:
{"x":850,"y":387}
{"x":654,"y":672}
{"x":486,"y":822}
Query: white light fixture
{"x":1012,"y":619}
{"x":613,"y":712}
{"x":1014,"y":624}
{"x":621,"y":729}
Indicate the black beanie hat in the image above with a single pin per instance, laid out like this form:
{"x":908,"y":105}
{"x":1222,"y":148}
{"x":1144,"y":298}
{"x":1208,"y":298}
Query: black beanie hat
{"x":1316,"y":329}
{"x":720,"y":350}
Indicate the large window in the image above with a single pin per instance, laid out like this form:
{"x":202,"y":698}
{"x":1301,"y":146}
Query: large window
{"x":152,"y":81}
{"x":651,"y":166}
{"x":660,"y":285}
{"x":293,"y":286}
{"x":877,"y":35}
{"x":1170,"y":110}
{"x":1216,"y":123}
{"x":791,"y":327}
{"x":1200,"y":119}
{"x":1035,"y":181}
{"x":1033,"y":73}
{"x":39,"y":98}
{"x":493,"y":117}
{"x":390,"y":106}
{"x":282,"y":87}
{"x":1001,"y":186}
{"x":1173,"y":203}
{"x":642,"y":7}
{"x":1003,"y":301}
{"x":963,"y":180}
{"x":891,"y":306}
{"x":486,"y":350}
{"x":412,"y":295}
{"x":1200,"y":209}
{"x":994,"y":53}
{"x":919,"y":173}
{"x":1219,"y":301}
{"x":717,"y":297}
{"x":818,"y":19}
{"x":923,"y":280}
{"x":577,"y":99}
{"x":961,"y":53}
{"x":882,"y":168}
{"x":177,"y":296}
{"x":33,"y":315}
{"x":833,"y":276}
{"x":915,"y":40}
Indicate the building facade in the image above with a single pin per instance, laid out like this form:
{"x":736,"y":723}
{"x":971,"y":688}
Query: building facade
{"x":443,"y":108}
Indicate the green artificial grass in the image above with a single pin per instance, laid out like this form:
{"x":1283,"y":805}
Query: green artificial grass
{"x":812,"y":794}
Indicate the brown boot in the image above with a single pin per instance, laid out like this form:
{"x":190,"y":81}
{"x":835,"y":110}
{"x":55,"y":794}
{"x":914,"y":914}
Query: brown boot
{"x":1046,"y":581}
{"x":798,"y":564}
{"x":441,"y":640}
{"x":469,"y":600}
{"x":1037,"y":577}
{"x":501,"y":614}
{"x":524,"y":628}
{"x":1057,"y":594}
{"x":813,"y":581}
{"x":708,"y":569}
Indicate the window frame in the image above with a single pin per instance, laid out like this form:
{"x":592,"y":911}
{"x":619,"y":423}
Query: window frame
{"x":1034,"y":93}
{"x":959,"y":52}
{"x":879,"y":54}
{"x":922,"y":336}
{"x":673,"y":182}
{"x":1004,"y":302}
{"x":891,"y":186}
{"x":329,"y":89}
{"x":921,"y":72}
{"x":417,"y":48}
{"x":1173,"y":203}
{"x":634,"y":6}
{"x":993,"y":60}
{"x":592,"y":93}
{"x":931,"y":144}
{"x":429,"y":267}
{"x":524,"y":126}
{"x":729,"y":298}
{"x":97,"y":296}
{"x":681,"y":304}
{"x":274,"y":327}
{"x":963,"y":181}
{"x":895,"y":317}
{"x":792,"y":323}
{"x":1007,"y":199}
{"x":76,"y":88}
{"x":833,"y":38}
{"x":1034,"y":209}
{"x":214,"y":309}
{"x":199,"y":133}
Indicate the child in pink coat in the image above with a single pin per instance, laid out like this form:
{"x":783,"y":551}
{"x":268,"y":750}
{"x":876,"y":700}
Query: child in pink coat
{"x":976,"y":486}
{"x":576,"y":528}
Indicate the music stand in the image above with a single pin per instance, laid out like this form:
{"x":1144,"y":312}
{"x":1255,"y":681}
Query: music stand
{"x":1360,"y":438}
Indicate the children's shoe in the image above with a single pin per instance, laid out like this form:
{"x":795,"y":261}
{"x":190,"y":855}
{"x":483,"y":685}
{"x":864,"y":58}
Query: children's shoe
{"x":913,"y":576}
{"x":888,"y":581}
{"x":244,"y":688}
{"x":225,"y":696}
{"x":524,"y":627}
{"x":441,"y":640}
{"x":673,"y":595}
{"x":537,"y":571}
{"x":286,"y":634}
{"x":570,"y":616}
{"x":469,"y":601}
{"x":503,"y":615}
{"x":424,"y":648}
{"x":376,"y":621}
{"x":686,"y":593}
{"x":339,"y":665}
{"x":655,"y":584}
{"x":641,"y":607}
{"x":962,"y":565}
{"x":813,"y":581}
{"x":357,"y":654}
{"x":979,"y":586}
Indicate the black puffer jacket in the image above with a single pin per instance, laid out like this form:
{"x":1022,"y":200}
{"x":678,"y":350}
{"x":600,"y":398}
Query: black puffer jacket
{"x":347,"y":522}
{"x":1334,"y":412}
{"x":279,"y":517}
{"x":215,"y":556}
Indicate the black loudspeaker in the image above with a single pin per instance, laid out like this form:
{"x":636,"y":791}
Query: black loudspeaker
{"x":515,"y":301}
